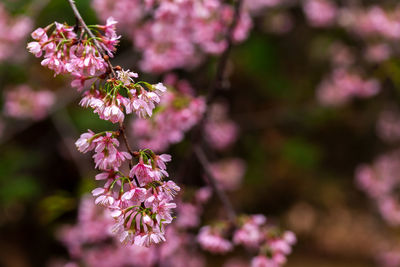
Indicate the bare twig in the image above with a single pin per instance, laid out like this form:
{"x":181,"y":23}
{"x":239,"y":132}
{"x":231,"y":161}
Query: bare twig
{"x":212,"y":181}
{"x":125,"y":138}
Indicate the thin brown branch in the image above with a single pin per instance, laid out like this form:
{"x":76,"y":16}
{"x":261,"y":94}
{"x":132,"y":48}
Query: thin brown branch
{"x":212,"y":181}
{"x":125,"y":138}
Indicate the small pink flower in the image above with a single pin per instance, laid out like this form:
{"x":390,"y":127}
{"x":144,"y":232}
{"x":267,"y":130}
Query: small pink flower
{"x":39,"y":35}
{"x":126,"y":76}
{"x":135,"y":194}
{"x":142,"y":171}
{"x":84,"y":143}
{"x":35,"y":48}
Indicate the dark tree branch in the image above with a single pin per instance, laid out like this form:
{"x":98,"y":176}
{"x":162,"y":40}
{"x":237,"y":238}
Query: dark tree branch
{"x":125,"y":138}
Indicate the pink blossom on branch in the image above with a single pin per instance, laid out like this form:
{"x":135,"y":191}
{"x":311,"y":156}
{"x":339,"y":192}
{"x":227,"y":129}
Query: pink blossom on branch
{"x":140,"y":201}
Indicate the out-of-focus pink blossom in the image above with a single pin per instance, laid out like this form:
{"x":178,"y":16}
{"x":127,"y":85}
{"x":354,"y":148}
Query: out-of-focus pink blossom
{"x":388,"y":257}
{"x":211,"y":239}
{"x":343,"y":85}
{"x":251,"y":234}
{"x":378,"y":52}
{"x":320,"y":13}
{"x":229,"y":173}
{"x":203,"y":194}
{"x":22,"y":102}
{"x":263,"y":261}
{"x":371,"y":22}
{"x":221,"y":132}
{"x":380,"y":181}
{"x":388,"y":126}
{"x":13,"y":30}
{"x":188,"y":215}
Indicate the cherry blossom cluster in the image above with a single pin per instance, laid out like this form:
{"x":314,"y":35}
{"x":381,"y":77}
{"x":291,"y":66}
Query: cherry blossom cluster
{"x":141,"y":201}
{"x":67,"y":51}
{"x":88,"y":243}
{"x":194,"y":28}
{"x":254,"y":234}
{"x":12,"y":31}
{"x":86,"y":58}
{"x":88,"y":240}
{"x":178,"y":112}
{"x":22,"y":102}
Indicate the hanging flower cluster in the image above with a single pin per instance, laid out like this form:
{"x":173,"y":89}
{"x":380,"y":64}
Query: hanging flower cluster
{"x":66,"y":51}
{"x":140,"y":200}
{"x":88,"y":241}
